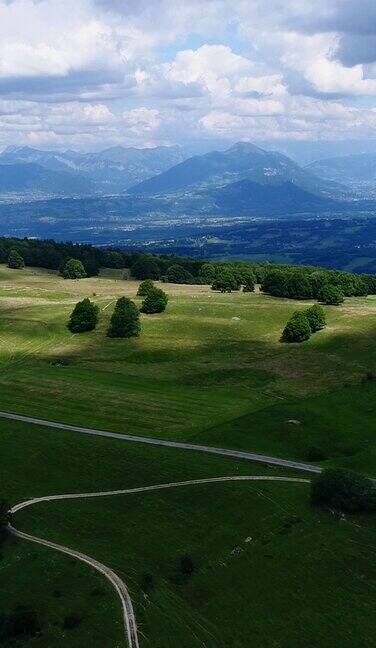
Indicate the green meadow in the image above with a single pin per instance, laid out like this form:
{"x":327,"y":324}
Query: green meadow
{"x":209,"y":369}
{"x":269,"y":569}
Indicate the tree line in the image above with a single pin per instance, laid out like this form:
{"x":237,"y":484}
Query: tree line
{"x":290,"y":281}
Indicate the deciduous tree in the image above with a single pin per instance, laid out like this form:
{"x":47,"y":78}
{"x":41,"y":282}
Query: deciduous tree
{"x":15,"y":260}
{"x":297,"y":328}
{"x":74,"y":269}
{"x":154,"y":302}
{"x":125,"y":320}
{"x":316,"y":317}
{"x":84,"y":317}
{"x":331,"y":295}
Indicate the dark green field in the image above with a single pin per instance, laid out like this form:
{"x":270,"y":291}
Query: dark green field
{"x":303,"y":575}
{"x":209,"y":370}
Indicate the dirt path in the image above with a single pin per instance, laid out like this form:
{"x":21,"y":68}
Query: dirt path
{"x":130,"y":625}
{"x":238,"y":454}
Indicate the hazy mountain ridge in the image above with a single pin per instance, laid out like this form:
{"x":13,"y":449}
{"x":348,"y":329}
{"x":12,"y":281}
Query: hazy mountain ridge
{"x":243,"y":161}
{"x":357,"y":171}
{"x":33,"y":181}
{"x":110,"y":171}
{"x":242,"y":180}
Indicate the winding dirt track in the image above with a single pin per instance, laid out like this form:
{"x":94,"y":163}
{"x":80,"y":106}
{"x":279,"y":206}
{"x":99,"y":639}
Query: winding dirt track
{"x":130,"y":625}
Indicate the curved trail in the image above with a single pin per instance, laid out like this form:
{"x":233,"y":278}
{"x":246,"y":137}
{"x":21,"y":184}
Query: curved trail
{"x":130,"y":625}
{"x":237,"y":454}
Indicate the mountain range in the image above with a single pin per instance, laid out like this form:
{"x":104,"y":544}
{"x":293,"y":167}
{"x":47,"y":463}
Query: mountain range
{"x":244,"y":179}
{"x":108,"y":172}
{"x":243,"y":161}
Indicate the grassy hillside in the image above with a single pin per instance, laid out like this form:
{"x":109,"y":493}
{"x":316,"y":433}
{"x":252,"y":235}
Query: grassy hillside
{"x":209,"y":369}
{"x":270,"y":570}
{"x":268,"y":567}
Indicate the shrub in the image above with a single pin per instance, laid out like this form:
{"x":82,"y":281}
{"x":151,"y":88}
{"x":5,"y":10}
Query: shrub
{"x":15,"y":260}
{"x":344,"y":491}
{"x":154,"y":302}
{"x":23,"y":622}
{"x":73,"y":269}
{"x":146,"y":268}
{"x":148,"y":582}
{"x":125,"y":320}
{"x":331,"y":295}
{"x":71,"y":621}
{"x":179,"y":275}
{"x":297,"y":329}
{"x":316,"y":317}
{"x":369,"y":376}
{"x":186,"y":564}
{"x":145,"y":287}
{"x":84,"y":317}
{"x":315,"y":454}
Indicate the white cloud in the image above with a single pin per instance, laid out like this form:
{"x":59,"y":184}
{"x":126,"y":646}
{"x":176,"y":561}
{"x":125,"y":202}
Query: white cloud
{"x":141,"y":120}
{"x":88,"y":72}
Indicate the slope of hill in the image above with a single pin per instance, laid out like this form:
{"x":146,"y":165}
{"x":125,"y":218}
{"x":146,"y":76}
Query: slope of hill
{"x":243,"y":161}
{"x":268,"y":568}
{"x":34,"y":181}
{"x":357,"y":171}
{"x":247,"y":197}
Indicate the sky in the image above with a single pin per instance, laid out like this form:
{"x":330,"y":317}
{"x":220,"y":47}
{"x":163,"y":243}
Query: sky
{"x":85,"y":74}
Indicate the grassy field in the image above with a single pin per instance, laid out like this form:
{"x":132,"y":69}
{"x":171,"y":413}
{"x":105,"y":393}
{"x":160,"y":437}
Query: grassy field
{"x":269,"y":570}
{"x":210,"y":369}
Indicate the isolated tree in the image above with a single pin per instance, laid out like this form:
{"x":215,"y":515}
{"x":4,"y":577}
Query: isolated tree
{"x":145,"y":287}
{"x":331,"y":295}
{"x":343,"y":490}
{"x":15,"y":260}
{"x":297,"y":328}
{"x":84,"y":317}
{"x":316,"y":317}
{"x":125,"y":320}
{"x":73,"y":269}
{"x":179,"y":275}
{"x":146,"y":268}
{"x":154,"y":302}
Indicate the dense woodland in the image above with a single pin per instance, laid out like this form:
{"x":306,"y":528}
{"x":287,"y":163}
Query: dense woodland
{"x":294,"y":282}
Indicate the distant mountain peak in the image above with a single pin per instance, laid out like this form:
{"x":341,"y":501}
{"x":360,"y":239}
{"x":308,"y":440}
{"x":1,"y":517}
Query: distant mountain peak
{"x":245,"y":148}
